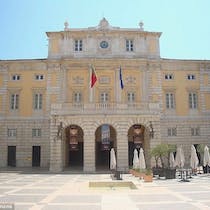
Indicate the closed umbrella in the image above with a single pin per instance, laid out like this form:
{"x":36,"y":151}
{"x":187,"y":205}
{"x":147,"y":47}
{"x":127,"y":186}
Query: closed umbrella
{"x":193,"y":158}
{"x":135,"y":159}
{"x":113,"y":163}
{"x":171,"y":160}
{"x":142,"y":164}
{"x":179,"y":159}
{"x":206,"y":157}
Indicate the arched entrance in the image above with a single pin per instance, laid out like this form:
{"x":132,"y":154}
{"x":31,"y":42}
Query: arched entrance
{"x":136,"y":136}
{"x":74,"y":146}
{"x":105,"y":137}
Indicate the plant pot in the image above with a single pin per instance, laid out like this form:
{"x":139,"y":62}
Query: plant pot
{"x":148,"y":178}
{"x":170,"y":173}
{"x":158,"y":171}
{"x":136,"y":173}
{"x":206,"y":169}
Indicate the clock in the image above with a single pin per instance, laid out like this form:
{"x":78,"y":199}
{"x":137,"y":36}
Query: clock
{"x":104,"y":44}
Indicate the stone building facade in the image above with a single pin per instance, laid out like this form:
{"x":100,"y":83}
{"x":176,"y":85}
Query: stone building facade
{"x":51,"y":117}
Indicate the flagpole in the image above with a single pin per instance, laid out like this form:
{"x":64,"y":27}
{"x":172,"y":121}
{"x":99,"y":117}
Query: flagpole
{"x":90,"y":89}
{"x":118,"y":84}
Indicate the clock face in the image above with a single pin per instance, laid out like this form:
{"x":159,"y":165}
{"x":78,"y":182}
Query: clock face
{"x":104,"y":44}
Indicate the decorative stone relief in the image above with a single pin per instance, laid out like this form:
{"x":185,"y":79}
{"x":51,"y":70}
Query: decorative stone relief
{"x":104,"y":80}
{"x":78,"y":80}
{"x":66,"y":26}
{"x":131,"y":80}
{"x":53,"y":66}
{"x":4,"y":67}
{"x":104,"y":24}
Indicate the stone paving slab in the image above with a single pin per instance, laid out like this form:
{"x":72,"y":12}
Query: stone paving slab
{"x":77,"y":199}
{"x":73,"y":207}
{"x":23,"y":207}
{"x":28,"y":191}
{"x":202,"y":196}
{"x":153,"y":197}
{"x":168,"y":206}
{"x":21,"y":198}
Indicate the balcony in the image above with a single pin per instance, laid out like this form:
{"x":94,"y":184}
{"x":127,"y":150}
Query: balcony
{"x":104,"y":108}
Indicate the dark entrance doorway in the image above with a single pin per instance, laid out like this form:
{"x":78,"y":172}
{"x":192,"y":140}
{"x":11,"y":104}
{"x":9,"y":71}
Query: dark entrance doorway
{"x":76,"y":156}
{"x":11,"y":156}
{"x":36,"y":156}
{"x":102,"y":156}
{"x":135,"y":141}
{"x":102,"y":148}
{"x":74,"y":147}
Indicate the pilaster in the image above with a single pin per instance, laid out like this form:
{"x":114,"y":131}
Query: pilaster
{"x":89,"y":149}
{"x":56,"y":163}
{"x":122,"y":147}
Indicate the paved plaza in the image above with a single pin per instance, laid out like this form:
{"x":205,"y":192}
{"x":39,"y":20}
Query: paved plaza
{"x":46,"y":191}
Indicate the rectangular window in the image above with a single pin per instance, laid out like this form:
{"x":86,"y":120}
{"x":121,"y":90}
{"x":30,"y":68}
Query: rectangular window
{"x":170,"y":102}
{"x":129,"y":45}
{"x":11,"y":132}
{"x":104,"y":97}
{"x":195,"y":131}
{"x":36,"y":132}
{"x":131,"y":97}
{"x":15,"y":77}
{"x":38,"y":101}
{"x":14,"y":101}
{"x":193,"y":101}
{"x":172,"y":132}
{"x":169,"y":76}
{"x":78,"y":45}
{"x":77,"y":97}
{"x":191,"y":77}
{"x":39,"y":77}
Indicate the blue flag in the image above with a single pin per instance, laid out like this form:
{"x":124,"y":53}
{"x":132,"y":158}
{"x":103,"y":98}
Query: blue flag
{"x":121,"y":79}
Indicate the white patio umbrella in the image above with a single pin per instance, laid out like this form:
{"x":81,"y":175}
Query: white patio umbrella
{"x":142,"y":164}
{"x":171,"y":160}
{"x":135,"y":159}
{"x":113,"y":162}
{"x":193,"y":158}
{"x":179,"y":159}
{"x":206,"y":156}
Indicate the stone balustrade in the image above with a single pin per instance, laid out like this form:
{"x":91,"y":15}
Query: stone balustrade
{"x":104,"y":108}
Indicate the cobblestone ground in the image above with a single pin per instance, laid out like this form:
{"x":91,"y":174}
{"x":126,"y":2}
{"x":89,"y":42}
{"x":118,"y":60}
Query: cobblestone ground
{"x":71,"y":191}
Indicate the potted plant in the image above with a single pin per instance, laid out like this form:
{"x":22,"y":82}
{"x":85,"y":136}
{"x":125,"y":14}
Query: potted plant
{"x":148,"y":176}
{"x":137,"y":172}
{"x":159,"y":152}
{"x":162,"y":153}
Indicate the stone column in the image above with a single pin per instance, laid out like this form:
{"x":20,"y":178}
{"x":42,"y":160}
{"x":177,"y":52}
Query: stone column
{"x":89,"y":149}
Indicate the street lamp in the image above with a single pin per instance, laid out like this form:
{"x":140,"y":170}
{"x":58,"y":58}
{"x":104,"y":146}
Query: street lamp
{"x":54,"y":118}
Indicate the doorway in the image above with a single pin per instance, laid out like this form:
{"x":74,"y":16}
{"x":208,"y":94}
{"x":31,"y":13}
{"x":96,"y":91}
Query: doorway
{"x":135,"y":141}
{"x":105,"y":139}
{"x":74,"y":147}
{"x":11,"y":156}
{"x":36,"y":156}
{"x":76,"y":156}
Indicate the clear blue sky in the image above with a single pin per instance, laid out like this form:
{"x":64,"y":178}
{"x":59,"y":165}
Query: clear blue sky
{"x":185,"y":23}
